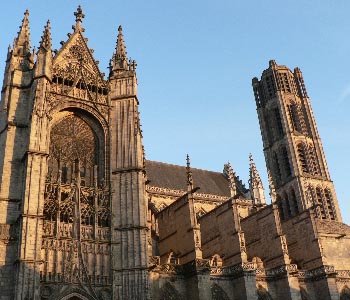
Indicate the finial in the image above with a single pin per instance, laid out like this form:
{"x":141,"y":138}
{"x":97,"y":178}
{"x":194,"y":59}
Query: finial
{"x":231,"y":175}
{"x":46,"y":37}
{"x":79,"y":16}
{"x":189,"y":174}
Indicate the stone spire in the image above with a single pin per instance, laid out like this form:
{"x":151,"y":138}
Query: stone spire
{"x":273,"y":195}
{"x":79,"y":16}
{"x":120,"y":49}
{"x":43,"y":65}
{"x":119,"y":61}
{"x":255,"y":184}
{"x":189,"y":174}
{"x":46,"y":37}
{"x":21,"y":45}
{"x":231,"y":175}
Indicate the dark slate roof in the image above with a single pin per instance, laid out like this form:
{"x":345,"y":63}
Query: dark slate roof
{"x":174,"y":177}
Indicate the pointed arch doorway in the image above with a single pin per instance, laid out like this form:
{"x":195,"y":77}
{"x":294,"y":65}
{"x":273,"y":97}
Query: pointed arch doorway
{"x":76,"y":296}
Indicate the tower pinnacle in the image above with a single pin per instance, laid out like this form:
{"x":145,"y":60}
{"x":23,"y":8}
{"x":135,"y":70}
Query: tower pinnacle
{"x":22,"y":42}
{"x":255,"y":184}
{"x":119,"y":60}
{"x":120,"y":48}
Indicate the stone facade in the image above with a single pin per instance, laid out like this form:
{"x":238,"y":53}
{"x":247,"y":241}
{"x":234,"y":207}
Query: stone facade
{"x":83,"y":214}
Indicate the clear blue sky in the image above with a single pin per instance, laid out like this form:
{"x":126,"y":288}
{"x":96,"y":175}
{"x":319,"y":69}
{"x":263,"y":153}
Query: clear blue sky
{"x":196,"y":60}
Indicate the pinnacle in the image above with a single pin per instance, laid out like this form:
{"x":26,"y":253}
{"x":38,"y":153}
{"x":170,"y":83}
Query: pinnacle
{"x":254,"y":174}
{"x":189,"y":173}
{"x":23,"y":38}
{"x":46,"y":37}
{"x":120,"y":48}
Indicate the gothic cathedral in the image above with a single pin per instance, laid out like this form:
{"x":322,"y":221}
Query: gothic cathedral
{"x":84,"y":216}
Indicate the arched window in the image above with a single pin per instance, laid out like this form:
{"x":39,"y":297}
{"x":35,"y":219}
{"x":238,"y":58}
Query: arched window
{"x":319,"y":198}
{"x":288,"y":209}
{"x":276,"y":168}
{"x":285,"y":162}
{"x":329,"y":201}
{"x":302,"y":158}
{"x":280,"y":207}
{"x":313,"y":161}
{"x":278,"y":123}
{"x":294,"y":116}
{"x":294,"y":202}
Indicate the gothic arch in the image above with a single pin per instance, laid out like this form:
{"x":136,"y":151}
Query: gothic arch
{"x":345,"y":293}
{"x":89,"y":123}
{"x":218,"y":293}
{"x":75,"y":294}
{"x":168,"y":292}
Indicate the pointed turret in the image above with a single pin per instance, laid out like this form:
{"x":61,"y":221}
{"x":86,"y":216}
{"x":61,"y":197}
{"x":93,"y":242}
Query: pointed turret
{"x":119,"y":62}
{"x":231,"y":175}
{"x":255,"y":184}
{"x":189,"y":174}
{"x":43,"y":65}
{"x":21,"y":45}
{"x":79,"y":16}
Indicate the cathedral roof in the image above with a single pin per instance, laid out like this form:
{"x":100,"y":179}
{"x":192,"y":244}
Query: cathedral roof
{"x":174,"y":177}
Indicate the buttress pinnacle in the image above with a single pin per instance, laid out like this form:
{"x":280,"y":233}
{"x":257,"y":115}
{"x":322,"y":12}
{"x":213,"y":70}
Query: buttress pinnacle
{"x":189,"y":174}
{"x":255,"y":183}
{"x":46,"y":37}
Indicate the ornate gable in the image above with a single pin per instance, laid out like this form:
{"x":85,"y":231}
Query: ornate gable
{"x":76,"y":74}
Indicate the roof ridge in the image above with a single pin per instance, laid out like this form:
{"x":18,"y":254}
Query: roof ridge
{"x":169,"y":164}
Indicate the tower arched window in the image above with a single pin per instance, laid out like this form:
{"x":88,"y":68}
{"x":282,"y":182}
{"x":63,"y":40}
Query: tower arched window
{"x":285,"y":162}
{"x":277,"y":123}
{"x":310,"y":195}
{"x":329,"y":202}
{"x":280,"y":207}
{"x":288,"y":208}
{"x":319,"y":198}
{"x":302,"y":158}
{"x":294,"y":202}
{"x":313,"y":161}
{"x":295,"y":117}
{"x":276,"y":168}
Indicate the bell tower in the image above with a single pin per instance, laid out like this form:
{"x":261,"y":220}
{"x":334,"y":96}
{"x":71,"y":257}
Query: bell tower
{"x":292,"y":146}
